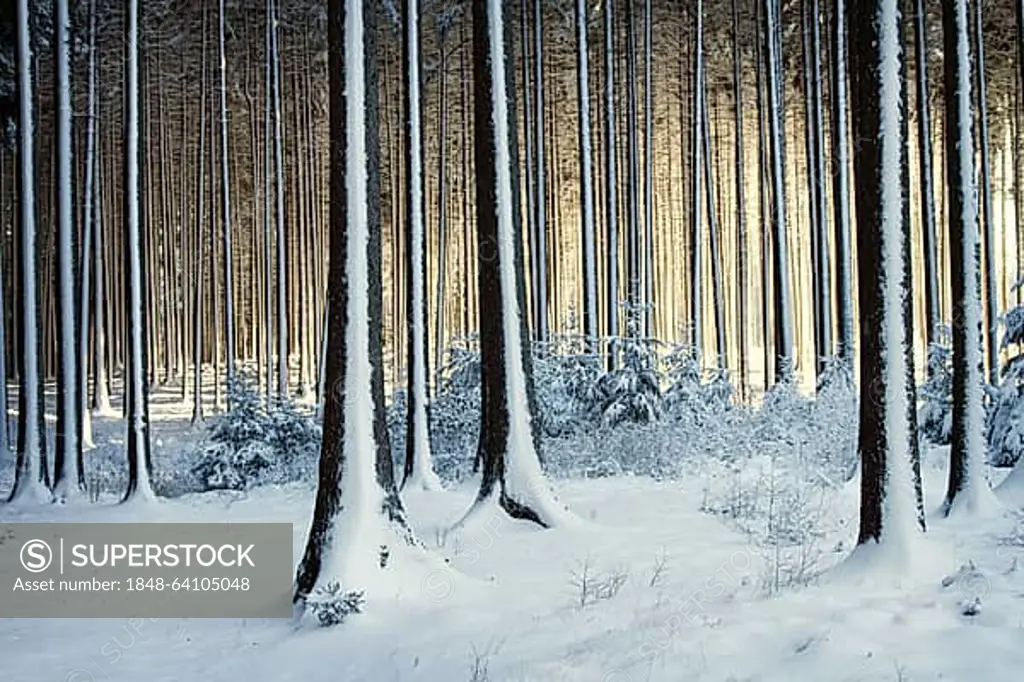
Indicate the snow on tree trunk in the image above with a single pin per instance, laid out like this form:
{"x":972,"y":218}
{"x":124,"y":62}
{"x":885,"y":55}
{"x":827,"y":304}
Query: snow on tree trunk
{"x":88,"y":242}
{"x":611,"y":185}
{"x":780,"y":252}
{"x":512,"y":476}
{"x":586,"y":178}
{"x":418,"y":472}
{"x":67,"y":456}
{"x":841,"y":190}
{"x":358,"y":522}
{"x":968,"y":488}
{"x":540,"y":303}
{"x":279,"y":216}
{"x":31,"y":483}
{"x":924,"y":141}
{"x":696,"y":226}
{"x":889,"y":521}
{"x":225,"y":205}
{"x":197,"y":294}
{"x":136,"y":389}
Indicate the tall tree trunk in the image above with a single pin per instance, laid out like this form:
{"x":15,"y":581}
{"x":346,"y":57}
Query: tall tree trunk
{"x":31,"y":481}
{"x":418,"y":471}
{"x":358,"y":519}
{"x":225,"y":205}
{"x":967,"y":485}
{"x":780,"y":255}
{"x":89,"y":310}
{"x":932,"y":311}
{"x":442,"y":210}
{"x":632,"y":180}
{"x":697,"y":168}
{"x":511,"y":477}
{"x":648,"y":174}
{"x":611,"y":181}
{"x":589,"y":237}
{"x":741,"y":218}
{"x":887,"y":439}
{"x":279,"y":216}
{"x":841,"y":187}
{"x":68,"y":480}
{"x":136,"y":388}
{"x":540,"y":195}
{"x":990,"y":315}
{"x":197,"y":294}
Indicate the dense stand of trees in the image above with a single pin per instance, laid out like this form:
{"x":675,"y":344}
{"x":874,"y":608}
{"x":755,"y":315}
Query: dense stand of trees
{"x":250,"y":217}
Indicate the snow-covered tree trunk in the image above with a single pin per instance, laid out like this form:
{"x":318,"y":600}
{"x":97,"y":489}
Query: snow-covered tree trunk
{"x":442,"y":204}
{"x":88,"y":309}
{"x":780,"y":254}
{"x":841,"y":187}
{"x":530,"y":210}
{"x":225,"y":203}
{"x":279,"y":216}
{"x":4,"y":421}
{"x":611,"y":180}
{"x":816,"y":163}
{"x":67,"y":455}
{"x":714,"y":237}
{"x":697,"y":168}
{"x":512,"y":476}
{"x":136,"y":389}
{"x":648,"y":329}
{"x":741,"y":218}
{"x":632,"y":178}
{"x":358,"y":520}
{"x":889,"y":515}
{"x":197,"y":293}
{"x":967,"y":485}
{"x":540,"y":301}
{"x":418,"y":471}
{"x":991,"y":310}
{"x":268,"y":180}
{"x":924,"y":145}
{"x":589,"y":237}
{"x":763,"y":196}
{"x":31,"y":482}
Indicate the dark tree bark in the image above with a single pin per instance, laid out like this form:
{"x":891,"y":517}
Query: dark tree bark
{"x":841,"y":186}
{"x":741,"y":218}
{"x":780,"y":253}
{"x":67,"y":456}
{"x":991,"y":309}
{"x":508,"y":447}
{"x":355,"y":450}
{"x":967,"y":447}
{"x":924,"y":142}
{"x":611,"y":182}
{"x":136,"y":383}
{"x":417,"y":467}
{"x":32,"y":478}
{"x":887,"y":433}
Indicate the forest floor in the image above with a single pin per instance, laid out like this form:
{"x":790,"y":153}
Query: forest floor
{"x":673,"y":594}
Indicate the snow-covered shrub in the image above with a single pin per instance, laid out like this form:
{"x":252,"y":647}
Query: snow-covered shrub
{"x":1005,"y":422}
{"x":565,"y":379}
{"x":631,"y":393}
{"x":935,"y":418}
{"x":250,"y":445}
{"x":689,"y":397}
{"x":331,"y":605}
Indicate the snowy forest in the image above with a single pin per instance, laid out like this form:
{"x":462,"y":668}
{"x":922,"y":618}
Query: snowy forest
{"x":578,"y":340}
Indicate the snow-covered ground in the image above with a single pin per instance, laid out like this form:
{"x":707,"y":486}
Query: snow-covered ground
{"x":695,"y":603}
